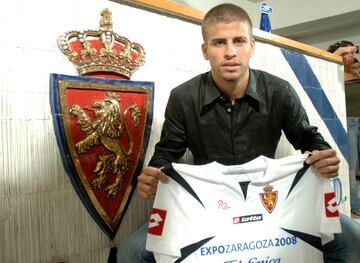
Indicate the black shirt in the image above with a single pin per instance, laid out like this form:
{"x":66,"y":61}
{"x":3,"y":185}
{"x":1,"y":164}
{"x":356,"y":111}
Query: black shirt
{"x":200,"y":118}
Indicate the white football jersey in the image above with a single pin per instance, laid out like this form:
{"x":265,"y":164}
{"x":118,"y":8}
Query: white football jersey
{"x":267,"y":210}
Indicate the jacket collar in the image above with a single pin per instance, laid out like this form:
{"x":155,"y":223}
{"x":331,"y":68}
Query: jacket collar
{"x":212,"y":93}
{"x":211,"y":90}
{"x":253,"y":88}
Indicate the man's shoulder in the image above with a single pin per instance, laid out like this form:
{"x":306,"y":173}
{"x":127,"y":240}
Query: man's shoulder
{"x":191,"y":88}
{"x":193,"y":82}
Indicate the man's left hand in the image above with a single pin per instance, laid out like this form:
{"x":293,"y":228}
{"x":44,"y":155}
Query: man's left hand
{"x":325,"y":161}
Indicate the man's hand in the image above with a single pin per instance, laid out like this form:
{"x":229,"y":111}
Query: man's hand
{"x":325,"y":161}
{"x":148,"y":181}
{"x":342,"y":51}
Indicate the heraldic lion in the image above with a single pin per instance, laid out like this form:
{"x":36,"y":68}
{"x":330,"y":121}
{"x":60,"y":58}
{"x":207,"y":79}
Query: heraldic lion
{"x":105,"y":130}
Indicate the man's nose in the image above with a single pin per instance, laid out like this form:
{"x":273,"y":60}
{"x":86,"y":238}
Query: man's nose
{"x":230,"y":50}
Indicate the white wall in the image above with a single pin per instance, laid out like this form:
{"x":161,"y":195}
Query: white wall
{"x":324,"y":39}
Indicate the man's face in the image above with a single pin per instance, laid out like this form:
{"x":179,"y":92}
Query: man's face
{"x":348,"y":57}
{"x":228,"y":47}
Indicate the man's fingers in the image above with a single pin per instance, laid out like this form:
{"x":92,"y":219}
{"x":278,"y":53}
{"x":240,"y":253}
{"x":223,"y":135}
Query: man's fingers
{"x":156,"y":173}
{"x":329,"y":171}
{"x":148,"y":181}
{"x":325,"y":162}
{"x":162,"y":176}
{"x":329,"y":155}
{"x":146,"y":195}
{"x":145,"y":189}
{"x":328,"y":163}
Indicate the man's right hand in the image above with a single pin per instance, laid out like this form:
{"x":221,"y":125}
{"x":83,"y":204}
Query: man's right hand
{"x":342,"y":51}
{"x":148,"y":181}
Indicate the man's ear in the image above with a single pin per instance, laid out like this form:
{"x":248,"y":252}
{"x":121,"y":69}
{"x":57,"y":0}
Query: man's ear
{"x":252,"y":43}
{"x":204,"y":51}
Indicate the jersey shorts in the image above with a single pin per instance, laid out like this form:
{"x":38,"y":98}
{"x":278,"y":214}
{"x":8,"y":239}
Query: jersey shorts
{"x":267,"y":210}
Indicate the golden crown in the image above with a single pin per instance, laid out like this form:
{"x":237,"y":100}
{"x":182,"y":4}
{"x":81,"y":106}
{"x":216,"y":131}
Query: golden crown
{"x":103,"y":51}
{"x":268,"y":189}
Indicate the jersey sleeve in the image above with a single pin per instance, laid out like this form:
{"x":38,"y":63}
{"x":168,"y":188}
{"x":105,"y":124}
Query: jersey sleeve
{"x":311,"y":207}
{"x":328,"y":212}
{"x":178,"y":222}
{"x":163,"y":223}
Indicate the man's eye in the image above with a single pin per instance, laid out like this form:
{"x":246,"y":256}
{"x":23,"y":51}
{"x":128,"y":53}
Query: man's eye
{"x":239,"y":41}
{"x":218,"y":43}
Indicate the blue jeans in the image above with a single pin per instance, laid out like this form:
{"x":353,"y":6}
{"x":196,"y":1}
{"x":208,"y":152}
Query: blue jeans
{"x":353,"y":133}
{"x":132,"y":249}
{"x":344,"y":248}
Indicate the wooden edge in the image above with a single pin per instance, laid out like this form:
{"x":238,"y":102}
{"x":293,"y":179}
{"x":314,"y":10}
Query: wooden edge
{"x":280,"y":41}
{"x":168,"y":7}
{"x":196,"y":16}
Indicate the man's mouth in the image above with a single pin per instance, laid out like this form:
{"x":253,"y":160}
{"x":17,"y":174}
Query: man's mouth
{"x":231,"y":66}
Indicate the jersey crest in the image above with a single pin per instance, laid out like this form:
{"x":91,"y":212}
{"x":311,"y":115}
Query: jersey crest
{"x":269,"y":198}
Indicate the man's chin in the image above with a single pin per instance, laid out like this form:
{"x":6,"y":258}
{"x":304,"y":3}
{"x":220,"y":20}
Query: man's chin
{"x":231,"y":77}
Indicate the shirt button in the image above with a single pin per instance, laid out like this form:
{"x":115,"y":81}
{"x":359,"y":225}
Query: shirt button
{"x":228,"y":110}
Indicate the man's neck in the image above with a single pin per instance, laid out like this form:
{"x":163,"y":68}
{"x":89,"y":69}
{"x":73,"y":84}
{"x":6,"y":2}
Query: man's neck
{"x":234,"y":89}
{"x":349,"y":74}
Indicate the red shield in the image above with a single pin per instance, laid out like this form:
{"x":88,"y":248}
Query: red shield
{"x":102,"y":128}
{"x":269,"y":198}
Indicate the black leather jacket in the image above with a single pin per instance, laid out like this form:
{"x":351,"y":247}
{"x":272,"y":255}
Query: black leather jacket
{"x":200,"y":118}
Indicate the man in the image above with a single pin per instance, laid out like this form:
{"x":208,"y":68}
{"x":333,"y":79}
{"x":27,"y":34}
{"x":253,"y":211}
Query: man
{"x":231,"y":115}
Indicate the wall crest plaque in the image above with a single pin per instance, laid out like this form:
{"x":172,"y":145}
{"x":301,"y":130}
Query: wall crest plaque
{"x":102,"y":119}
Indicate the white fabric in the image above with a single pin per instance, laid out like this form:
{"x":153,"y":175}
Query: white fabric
{"x":259,"y":237}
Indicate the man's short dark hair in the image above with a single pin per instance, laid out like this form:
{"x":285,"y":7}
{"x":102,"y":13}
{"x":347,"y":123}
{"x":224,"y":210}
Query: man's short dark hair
{"x":225,"y":13}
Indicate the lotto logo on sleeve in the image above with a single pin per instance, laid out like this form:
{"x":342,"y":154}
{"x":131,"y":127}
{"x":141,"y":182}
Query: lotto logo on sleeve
{"x":331,"y":208}
{"x":157,"y":221}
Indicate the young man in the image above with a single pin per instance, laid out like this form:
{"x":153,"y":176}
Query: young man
{"x":231,"y":115}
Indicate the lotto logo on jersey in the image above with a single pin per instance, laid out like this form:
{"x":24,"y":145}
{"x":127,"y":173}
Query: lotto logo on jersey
{"x":157,"y":221}
{"x":247,"y":219}
{"x":331,"y":208}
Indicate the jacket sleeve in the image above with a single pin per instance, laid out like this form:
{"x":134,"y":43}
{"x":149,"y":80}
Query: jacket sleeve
{"x":172,"y":143}
{"x":296,"y":126}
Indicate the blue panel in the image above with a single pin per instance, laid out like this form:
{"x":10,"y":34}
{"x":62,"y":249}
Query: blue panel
{"x":313,"y":89}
